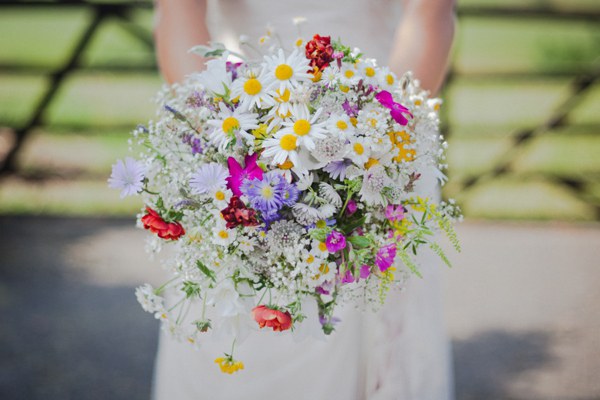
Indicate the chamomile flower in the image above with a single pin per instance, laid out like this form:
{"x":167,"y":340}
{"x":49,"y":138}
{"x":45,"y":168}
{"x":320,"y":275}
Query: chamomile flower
{"x":231,"y":123}
{"x":304,"y":126}
{"x":369,"y":72}
{"x":220,"y":197}
{"x":309,"y":260}
{"x":223,"y":236}
{"x":282,"y":147}
{"x":387,"y":80}
{"x":359,"y":153}
{"x":247,"y":244}
{"x":325,"y":272}
{"x":340,"y":126}
{"x":287,"y":73}
{"x":331,"y":75}
{"x":348,"y":75}
{"x":252,"y":90}
{"x":319,"y":249}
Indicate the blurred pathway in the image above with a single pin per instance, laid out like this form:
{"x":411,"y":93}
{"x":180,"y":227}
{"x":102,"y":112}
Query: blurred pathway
{"x":522,"y":305}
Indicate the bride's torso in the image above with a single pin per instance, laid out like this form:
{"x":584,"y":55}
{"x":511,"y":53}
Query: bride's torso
{"x":369,"y":25}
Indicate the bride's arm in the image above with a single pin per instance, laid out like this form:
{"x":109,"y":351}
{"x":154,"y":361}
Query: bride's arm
{"x":179,"y":25}
{"x":423,"y":40}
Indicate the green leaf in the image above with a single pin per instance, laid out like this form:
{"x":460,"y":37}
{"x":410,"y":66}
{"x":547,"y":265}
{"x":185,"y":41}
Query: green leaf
{"x":359,"y":241}
{"x":209,"y":273}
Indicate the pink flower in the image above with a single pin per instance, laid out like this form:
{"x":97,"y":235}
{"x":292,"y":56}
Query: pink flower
{"x":348,"y":277}
{"x":335,"y":242}
{"x":350,"y":208}
{"x":385,"y":256}
{"x":386,"y":100}
{"x":237,"y":174}
{"x":278,"y":320}
{"x":365,"y":271}
{"x":395,"y":213}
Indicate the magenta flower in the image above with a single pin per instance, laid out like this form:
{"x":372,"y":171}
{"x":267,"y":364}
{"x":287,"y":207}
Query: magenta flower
{"x":335,"y":242}
{"x":395,"y":213}
{"x":350,"y":208}
{"x":386,"y":100}
{"x":365,"y":271}
{"x":237,"y":174}
{"x":348,"y":277}
{"x":385,"y":256}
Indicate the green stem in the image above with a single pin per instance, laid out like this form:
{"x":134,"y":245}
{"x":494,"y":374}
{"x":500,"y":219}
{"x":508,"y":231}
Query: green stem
{"x":160,"y":289}
{"x":232,"y":347}
{"x":350,"y":193}
{"x":176,"y":304}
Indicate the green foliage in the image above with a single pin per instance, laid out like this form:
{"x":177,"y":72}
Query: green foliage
{"x":206,"y":271}
{"x":438,"y":250}
{"x":405,"y":257}
{"x":191,"y":289}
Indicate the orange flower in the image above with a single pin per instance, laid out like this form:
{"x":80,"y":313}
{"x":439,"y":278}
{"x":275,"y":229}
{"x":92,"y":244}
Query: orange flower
{"x":278,"y":320}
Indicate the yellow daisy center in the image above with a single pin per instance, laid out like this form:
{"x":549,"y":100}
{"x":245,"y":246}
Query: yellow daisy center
{"x":341,"y":125}
{"x":321,"y":224}
{"x":322,"y":246}
{"x":283,"y":98}
{"x":354,"y":121}
{"x":370,"y":72}
{"x":436,"y":107}
{"x":349,"y":73}
{"x":324,"y":268}
{"x":298,"y":42}
{"x":286,"y":165}
{"x":283,"y":72}
{"x":288,"y":142}
{"x":230,"y":124}
{"x":223,"y":235}
{"x":220,"y":195}
{"x":372,"y":121}
{"x":417,"y":102}
{"x":301,"y":127}
{"x":389,"y":79}
{"x":358,"y":148}
{"x":252,"y":86}
{"x":344,"y":88}
{"x":267,"y":192}
{"x":370,"y":163}
{"x":310,"y":258}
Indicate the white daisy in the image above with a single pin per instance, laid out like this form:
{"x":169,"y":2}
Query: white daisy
{"x":223,"y":236}
{"x":325,"y":272}
{"x":387,"y":80}
{"x":309,"y":260}
{"x":330,"y":75}
{"x":304,"y":127}
{"x":359,"y":153}
{"x":319,"y":249}
{"x":229,"y":123}
{"x":368,"y":72}
{"x":348,"y":75}
{"x":252,"y":90}
{"x":339,"y":125}
{"x":287,"y":73}
{"x":247,"y":244}
{"x":220,"y":197}
{"x":281,"y":147}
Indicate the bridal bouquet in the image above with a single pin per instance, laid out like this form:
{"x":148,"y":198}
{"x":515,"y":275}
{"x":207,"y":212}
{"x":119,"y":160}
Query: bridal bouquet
{"x":287,"y":185}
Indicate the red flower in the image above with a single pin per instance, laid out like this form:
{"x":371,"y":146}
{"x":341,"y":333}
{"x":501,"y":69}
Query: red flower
{"x":165,"y":230}
{"x":320,"y":52}
{"x":278,"y":320}
{"x":236,"y":214}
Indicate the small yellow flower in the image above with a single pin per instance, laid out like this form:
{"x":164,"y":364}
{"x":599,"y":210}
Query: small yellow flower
{"x":229,"y":365}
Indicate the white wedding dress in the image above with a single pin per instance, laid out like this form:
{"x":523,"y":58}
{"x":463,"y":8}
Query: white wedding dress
{"x":401,"y":352}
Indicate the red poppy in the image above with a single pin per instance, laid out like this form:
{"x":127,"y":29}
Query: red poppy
{"x":165,"y":230}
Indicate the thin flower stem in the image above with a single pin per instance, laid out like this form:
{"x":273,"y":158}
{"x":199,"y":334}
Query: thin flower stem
{"x":176,"y":304}
{"x":203,"y":306}
{"x":232,"y":347}
{"x":160,"y":289}
{"x":254,"y":48}
{"x":350,"y":193}
{"x":147,"y":191}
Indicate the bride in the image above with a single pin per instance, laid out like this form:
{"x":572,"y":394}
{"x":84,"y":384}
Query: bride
{"x":401,"y":352}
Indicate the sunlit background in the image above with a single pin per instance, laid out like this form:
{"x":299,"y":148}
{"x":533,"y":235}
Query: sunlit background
{"x":521,"y":113}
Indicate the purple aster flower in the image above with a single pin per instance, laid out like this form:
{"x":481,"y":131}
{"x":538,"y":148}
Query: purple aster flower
{"x":385,"y":256}
{"x":351,"y":208}
{"x":395,"y":213}
{"x":337,"y":169}
{"x":335,"y":242}
{"x":128,"y":176}
{"x":264,"y":195}
{"x":288,"y":192}
{"x":365,"y":271}
{"x":397,"y":109}
{"x":208,"y":177}
{"x":237,"y":174}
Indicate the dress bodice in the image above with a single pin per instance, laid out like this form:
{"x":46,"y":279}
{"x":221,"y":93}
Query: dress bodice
{"x":369,"y":25}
